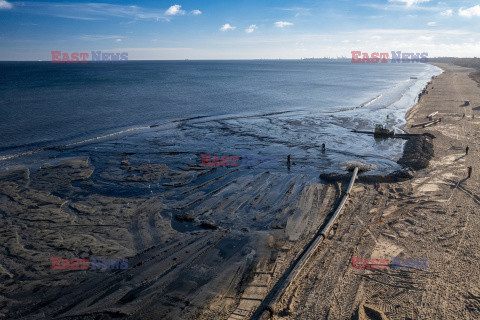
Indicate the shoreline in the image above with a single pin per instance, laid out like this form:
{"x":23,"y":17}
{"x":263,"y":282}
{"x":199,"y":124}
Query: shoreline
{"x":416,"y":155}
{"x":432,"y":216}
{"x":414,"y":108}
{"x":36,"y":155}
{"x":245,"y":231}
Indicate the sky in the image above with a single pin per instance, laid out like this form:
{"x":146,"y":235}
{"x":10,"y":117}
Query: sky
{"x":238,"y":29}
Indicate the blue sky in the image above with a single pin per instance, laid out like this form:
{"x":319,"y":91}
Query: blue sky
{"x":238,"y":29}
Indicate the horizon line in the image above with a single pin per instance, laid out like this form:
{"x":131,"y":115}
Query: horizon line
{"x":213,"y":59}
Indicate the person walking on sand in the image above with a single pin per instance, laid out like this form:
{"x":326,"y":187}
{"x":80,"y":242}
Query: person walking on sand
{"x":323,"y":147}
{"x":469,"y":172}
{"x":288,"y":162}
{"x":466,"y":150}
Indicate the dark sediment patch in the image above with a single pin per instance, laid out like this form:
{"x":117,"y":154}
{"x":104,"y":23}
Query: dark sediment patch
{"x":417,"y":153}
{"x":209,"y":225}
{"x":185,"y":217}
{"x":396,"y":176}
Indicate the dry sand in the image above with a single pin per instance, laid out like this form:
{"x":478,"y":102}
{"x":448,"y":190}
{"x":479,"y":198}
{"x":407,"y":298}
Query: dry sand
{"x":254,"y":226}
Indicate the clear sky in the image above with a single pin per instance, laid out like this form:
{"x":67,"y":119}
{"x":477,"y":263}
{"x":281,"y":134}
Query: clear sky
{"x":238,"y":29}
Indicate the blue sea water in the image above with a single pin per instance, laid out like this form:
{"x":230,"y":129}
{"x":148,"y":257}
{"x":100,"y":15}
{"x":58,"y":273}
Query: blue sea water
{"x":217,"y":107}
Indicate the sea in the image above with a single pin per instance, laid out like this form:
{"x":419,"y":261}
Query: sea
{"x":174,"y":111}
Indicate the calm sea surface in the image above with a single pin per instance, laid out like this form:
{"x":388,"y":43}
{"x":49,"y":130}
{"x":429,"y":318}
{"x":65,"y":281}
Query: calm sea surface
{"x":298,"y":106}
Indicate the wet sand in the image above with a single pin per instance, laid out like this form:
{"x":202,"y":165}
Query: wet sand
{"x":214,"y":244}
{"x":198,"y":242}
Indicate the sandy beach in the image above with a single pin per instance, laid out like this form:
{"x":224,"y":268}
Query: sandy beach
{"x":434,"y":216}
{"x":216,"y":243}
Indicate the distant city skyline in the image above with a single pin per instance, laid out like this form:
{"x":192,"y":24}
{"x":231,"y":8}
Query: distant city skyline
{"x":209,"y":30}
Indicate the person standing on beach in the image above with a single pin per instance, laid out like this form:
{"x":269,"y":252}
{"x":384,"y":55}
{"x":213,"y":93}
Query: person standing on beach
{"x":466,"y":150}
{"x":469,"y":172}
{"x":288,"y":162}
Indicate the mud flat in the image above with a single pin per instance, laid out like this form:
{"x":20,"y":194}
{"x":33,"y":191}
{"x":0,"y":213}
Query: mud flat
{"x":193,"y":242}
{"x":211,"y":243}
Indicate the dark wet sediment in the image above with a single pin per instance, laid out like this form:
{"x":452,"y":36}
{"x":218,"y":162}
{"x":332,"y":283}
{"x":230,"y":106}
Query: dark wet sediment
{"x":417,"y":153}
